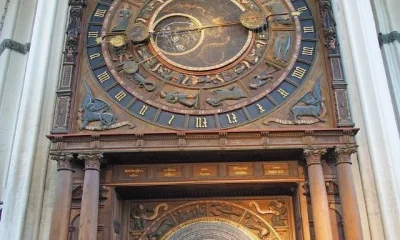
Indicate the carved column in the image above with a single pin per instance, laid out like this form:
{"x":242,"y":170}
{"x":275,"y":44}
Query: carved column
{"x":347,"y":192}
{"x":90,"y":197}
{"x":61,"y":212}
{"x":319,"y":198}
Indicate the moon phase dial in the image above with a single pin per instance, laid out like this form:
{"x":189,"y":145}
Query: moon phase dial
{"x":199,"y":64}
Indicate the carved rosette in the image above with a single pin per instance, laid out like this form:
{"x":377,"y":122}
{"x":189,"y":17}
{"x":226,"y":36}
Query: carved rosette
{"x":313,"y":155}
{"x":92,"y":161}
{"x":64,"y":161}
{"x":343,"y":155}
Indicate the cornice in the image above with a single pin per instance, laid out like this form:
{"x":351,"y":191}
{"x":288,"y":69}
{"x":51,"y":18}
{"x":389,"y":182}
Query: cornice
{"x":205,"y":141}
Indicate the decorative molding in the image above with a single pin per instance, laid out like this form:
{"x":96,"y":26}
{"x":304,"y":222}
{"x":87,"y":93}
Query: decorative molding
{"x":388,"y":38}
{"x":313,"y":155}
{"x":64,"y":160}
{"x":92,"y":160}
{"x":64,"y":90}
{"x":256,"y":139}
{"x":343,"y":154}
{"x":14,"y":46}
{"x":332,"y":44}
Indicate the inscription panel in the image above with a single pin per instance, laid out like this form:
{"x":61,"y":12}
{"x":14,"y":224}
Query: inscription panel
{"x":204,"y":172}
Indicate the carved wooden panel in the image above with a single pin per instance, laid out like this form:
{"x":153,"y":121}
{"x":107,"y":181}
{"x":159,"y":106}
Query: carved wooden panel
{"x":260,"y":218}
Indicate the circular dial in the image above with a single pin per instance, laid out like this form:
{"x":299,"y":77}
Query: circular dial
{"x":201,"y":64}
{"x":185,"y":35}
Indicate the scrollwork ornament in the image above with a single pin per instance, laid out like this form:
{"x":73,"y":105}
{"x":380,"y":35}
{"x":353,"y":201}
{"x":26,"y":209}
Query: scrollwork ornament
{"x":343,"y":155}
{"x":313,"y":155}
{"x":92,"y":161}
{"x":64,"y":161}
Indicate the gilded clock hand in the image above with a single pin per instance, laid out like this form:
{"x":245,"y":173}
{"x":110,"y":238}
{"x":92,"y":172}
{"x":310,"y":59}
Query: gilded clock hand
{"x":195,"y":28}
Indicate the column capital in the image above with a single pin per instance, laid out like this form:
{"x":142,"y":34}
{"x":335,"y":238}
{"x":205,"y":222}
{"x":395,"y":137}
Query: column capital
{"x":64,"y":160}
{"x":313,"y":155}
{"x":92,"y":160}
{"x":343,"y":154}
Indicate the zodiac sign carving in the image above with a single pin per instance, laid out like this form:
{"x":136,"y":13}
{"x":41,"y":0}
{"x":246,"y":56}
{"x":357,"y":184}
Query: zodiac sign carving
{"x":182,"y":98}
{"x":125,"y":14}
{"x":221,"y":95}
{"x":219,"y":209}
{"x":282,"y":46}
{"x":263,"y":78}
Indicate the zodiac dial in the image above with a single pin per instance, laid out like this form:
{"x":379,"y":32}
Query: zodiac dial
{"x":201,"y":64}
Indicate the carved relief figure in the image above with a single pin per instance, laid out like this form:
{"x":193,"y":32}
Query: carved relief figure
{"x":139,"y":215}
{"x":262,"y":231}
{"x":165,"y":225}
{"x":221,"y":95}
{"x":280,"y":213}
{"x":282,"y":46}
{"x":94,"y":110}
{"x":125,"y":14}
{"x":219,"y":209}
{"x":312,"y":104}
{"x":182,"y":98}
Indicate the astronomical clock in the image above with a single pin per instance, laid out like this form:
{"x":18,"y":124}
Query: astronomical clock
{"x":197,"y":65}
{"x":203,"y":119}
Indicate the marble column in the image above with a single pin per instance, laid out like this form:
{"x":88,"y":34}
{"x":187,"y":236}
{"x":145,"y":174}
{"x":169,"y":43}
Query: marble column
{"x":22,"y":93}
{"x":347,"y":193}
{"x":90,"y":197}
{"x":62,"y":205}
{"x":372,"y":109}
{"x":319,"y":197}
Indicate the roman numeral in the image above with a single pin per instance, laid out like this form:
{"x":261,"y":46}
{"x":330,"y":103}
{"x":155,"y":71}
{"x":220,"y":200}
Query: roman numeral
{"x":171,"y":119}
{"x":302,"y":9}
{"x":100,"y":13}
{"x":93,"y":34}
{"x":121,"y":95}
{"x":143,"y":110}
{"x":201,"y":122}
{"x":103,"y":77}
{"x":283,"y":93}
{"x":307,"y":51}
{"x":260,"y":108}
{"x":232,"y":118}
{"x":299,"y":73}
{"x":93,"y":56}
{"x":309,"y":29}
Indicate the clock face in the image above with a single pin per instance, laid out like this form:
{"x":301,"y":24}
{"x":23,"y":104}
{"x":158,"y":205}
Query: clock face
{"x":201,"y":64}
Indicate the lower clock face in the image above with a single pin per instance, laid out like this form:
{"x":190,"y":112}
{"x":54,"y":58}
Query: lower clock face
{"x":200,"y":64}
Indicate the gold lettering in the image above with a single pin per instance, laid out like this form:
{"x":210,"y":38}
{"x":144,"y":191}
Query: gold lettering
{"x":260,"y":108}
{"x":201,"y":122}
{"x":100,"y":13}
{"x":103,"y":77}
{"x":172,"y":119}
{"x":309,"y":29}
{"x":93,"y":56}
{"x":143,"y":110}
{"x":121,"y":95}
{"x":231,"y":118}
{"x":93,"y":34}
{"x":299,"y":72}
{"x":307,"y":51}
{"x":283,"y":93}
